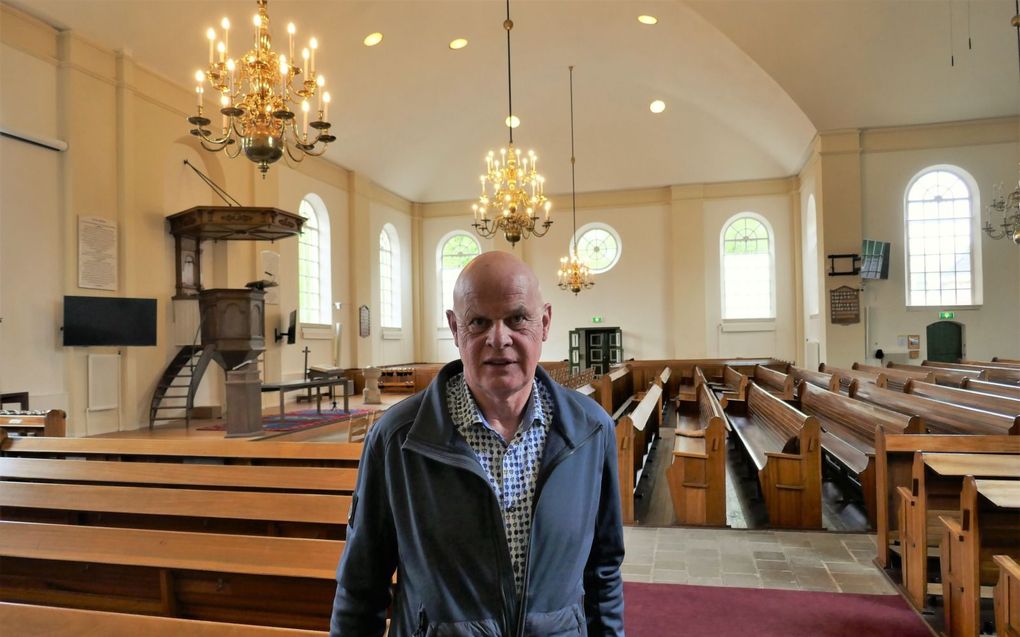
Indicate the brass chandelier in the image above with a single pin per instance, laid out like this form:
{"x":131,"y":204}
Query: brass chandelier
{"x":512,"y":190}
{"x":1006,"y":204}
{"x":573,"y":275}
{"x":257,"y":91}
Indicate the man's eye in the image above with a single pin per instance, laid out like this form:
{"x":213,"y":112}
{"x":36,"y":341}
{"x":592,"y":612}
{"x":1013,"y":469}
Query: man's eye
{"x":477,"y":322}
{"x":519,"y":319}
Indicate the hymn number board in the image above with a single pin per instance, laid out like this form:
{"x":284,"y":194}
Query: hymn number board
{"x":845,"y":305}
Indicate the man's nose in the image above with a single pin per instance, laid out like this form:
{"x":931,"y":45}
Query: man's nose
{"x":499,"y":335}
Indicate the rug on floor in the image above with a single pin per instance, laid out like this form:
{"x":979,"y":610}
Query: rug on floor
{"x":298,"y":420}
{"x":655,"y":610}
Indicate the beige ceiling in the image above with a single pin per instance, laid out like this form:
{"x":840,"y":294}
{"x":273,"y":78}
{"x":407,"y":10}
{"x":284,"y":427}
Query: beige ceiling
{"x":747,"y":84}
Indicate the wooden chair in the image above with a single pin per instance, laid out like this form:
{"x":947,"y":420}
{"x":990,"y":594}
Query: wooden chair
{"x":697,"y":475}
{"x":783,"y":445}
{"x":986,"y":532}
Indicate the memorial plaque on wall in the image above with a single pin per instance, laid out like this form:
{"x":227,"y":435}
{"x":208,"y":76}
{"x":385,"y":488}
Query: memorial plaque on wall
{"x":844,"y":305}
{"x":364,"y":322}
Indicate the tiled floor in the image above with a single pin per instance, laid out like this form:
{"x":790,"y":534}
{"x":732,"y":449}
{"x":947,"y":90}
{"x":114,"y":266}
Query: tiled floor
{"x":807,"y":561}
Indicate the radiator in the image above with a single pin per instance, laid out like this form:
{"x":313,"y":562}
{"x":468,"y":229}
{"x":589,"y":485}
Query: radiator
{"x":104,"y":382}
{"x":812,"y":354}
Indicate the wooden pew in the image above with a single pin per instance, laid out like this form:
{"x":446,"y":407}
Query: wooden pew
{"x":938,"y":417}
{"x":35,"y":423}
{"x":997,"y":359}
{"x":697,"y":475}
{"x":848,"y":435}
{"x":896,"y":378}
{"x":948,"y":377}
{"x":776,"y":383}
{"x":783,"y":444}
{"x":734,"y":384}
{"x":894,"y":458}
{"x":935,"y":486}
{"x":662,"y":380}
{"x":1010,"y":376}
{"x":991,"y":388}
{"x":988,"y":524}
{"x":69,"y":622}
{"x":826,"y":381}
{"x":633,"y":436}
{"x":996,"y":362}
{"x":616,"y":389}
{"x":987,"y":402}
{"x":279,"y":581}
{"x":199,"y":450}
{"x":1007,"y":597}
{"x":847,"y":376}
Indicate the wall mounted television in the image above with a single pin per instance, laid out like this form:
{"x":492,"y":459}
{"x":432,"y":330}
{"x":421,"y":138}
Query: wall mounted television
{"x":109,"y":321}
{"x":874,"y":259}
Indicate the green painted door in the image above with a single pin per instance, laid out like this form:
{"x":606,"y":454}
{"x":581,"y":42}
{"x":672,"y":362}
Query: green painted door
{"x":945,"y":342}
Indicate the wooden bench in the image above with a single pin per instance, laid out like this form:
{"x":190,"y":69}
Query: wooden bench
{"x":689,"y":393}
{"x":986,"y":402}
{"x":615,"y":389}
{"x":987,"y":525}
{"x":848,"y":435}
{"x":69,"y":622}
{"x":776,"y":383}
{"x":995,"y":362}
{"x":633,"y":436}
{"x":1008,"y":375}
{"x":986,"y":387}
{"x":198,"y":451}
{"x":1007,"y":597}
{"x":948,"y":377}
{"x":733,"y":385}
{"x":934,"y":491}
{"x":783,"y":444}
{"x":997,"y":359}
{"x":826,"y":381}
{"x":697,"y":475}
{"x":847,"y":376}
{"x":894,"y":458}
{"x":938,"y":417}
{"x":895,"y":379}
{"x":35,"y":423}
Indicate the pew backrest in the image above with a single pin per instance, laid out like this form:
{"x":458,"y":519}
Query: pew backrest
{"x":847,"y":376}
{"x":951,"y":377}
{"x":938,"y":417}
{"x":826,"y":381}
{"x":986,"y":387}
{"x":615,"y":388}
{"x":896,"y":378}
{"x":777,"y":382}
{"x":736,"y":383}
{"x":987,"y":402}
{"x":988,"y":372}
{"x":864,"y":419}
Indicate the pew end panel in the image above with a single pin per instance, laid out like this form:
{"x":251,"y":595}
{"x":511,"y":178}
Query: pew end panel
{"x":697,"y":475}
{"x":1007,"y":597}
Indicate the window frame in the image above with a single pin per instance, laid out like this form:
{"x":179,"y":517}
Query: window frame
{"x":393,"y":330}
{"x":317,"y":208}
{"x":597,"y":225}
{"x":771,"y":317}
{"x":976,"y":281}
{"x":440,"y":248}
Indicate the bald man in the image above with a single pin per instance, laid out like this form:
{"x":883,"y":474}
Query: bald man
{"x":492,"y":493}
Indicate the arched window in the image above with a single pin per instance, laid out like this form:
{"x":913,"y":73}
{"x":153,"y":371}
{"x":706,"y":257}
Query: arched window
{"x":455,"y":251}
{"x":747,"y":268}
{"x":942,"y":263}
{"x":811,"y":300}
{"x":598,"y":247}
{"x":314,"y":286}
{"x":389,"y":277}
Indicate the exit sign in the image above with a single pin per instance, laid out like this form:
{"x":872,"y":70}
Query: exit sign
{"x":596,"y":319}
{"x":947,"y":315}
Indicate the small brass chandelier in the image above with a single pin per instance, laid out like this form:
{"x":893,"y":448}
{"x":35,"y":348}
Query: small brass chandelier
{"x":573,"y":275}
{"x":257,"y":91}
{"x":512,"y":190}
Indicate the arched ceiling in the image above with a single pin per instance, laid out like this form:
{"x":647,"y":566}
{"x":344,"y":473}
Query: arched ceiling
{"x":747,"y":84}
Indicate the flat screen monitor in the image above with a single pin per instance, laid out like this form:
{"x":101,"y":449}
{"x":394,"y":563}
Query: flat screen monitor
{"x":874,"y":259}
{"x":292,"y":328}
{"x":103,"y":320}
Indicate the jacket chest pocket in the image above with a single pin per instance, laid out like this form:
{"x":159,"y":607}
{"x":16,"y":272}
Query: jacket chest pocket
{"x":475,"y":628}
{"x":565,"y":622}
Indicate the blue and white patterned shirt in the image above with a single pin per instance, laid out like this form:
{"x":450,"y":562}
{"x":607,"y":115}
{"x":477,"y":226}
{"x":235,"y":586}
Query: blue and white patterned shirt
{"x":512,"y":469}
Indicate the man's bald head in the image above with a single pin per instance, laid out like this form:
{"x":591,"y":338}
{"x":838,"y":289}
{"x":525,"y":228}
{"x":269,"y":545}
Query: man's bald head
{"x":496,"y":269}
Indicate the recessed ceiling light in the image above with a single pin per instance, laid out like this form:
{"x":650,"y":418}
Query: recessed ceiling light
{"x":513,"y":121}
{"x":657,"y":106}
{"x":457,"y":44}
{"x":647,"y":19}
{"x":373,"y":39}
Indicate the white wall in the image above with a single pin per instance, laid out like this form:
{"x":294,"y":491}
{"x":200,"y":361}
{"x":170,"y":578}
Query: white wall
{"x":396,"y":348}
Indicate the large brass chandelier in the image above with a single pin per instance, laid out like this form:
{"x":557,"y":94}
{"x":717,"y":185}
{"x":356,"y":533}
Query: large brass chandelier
{"x":256,"y":93}
{"x":573,"y":275}
{"x":1007,"y":206}
{"x":513,"y":192}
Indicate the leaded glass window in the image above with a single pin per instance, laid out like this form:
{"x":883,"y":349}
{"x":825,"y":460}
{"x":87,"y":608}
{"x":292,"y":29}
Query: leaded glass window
{"x":747,"y":270}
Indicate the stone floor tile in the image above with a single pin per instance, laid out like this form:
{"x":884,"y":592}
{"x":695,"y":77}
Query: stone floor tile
{"x":778,"y":556}
{"x":636,"y":569}
{"x":670,"y":554}
{"x":646,"y":579}
{"x":701,"y":568}
{"x":741,"y":579}
{"x":772,"y":565}
{"x":850,"y":567}
{"x":770,"y":578}
{"x":815,"y":578}
{"x":704,"y":553}
{"x":738,"y":565}
{"x":667,"y":576}
{"x":705,"y":581}
{"x":670,"y":565}
{"x":873,"y":583}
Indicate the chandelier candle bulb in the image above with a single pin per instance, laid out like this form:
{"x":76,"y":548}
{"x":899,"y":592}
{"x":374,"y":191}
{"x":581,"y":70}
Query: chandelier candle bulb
{"x":312,"y":44}
{"x":325,"y":106}
{"x":257,"y":21}
{"x":225,"y":24}
{"x":304,"y":114}
{"x":198,"y":96}
{"x":222,"y":48}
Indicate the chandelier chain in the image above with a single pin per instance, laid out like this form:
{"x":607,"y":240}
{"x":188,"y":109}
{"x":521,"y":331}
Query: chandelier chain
{"x":509,"y":25}
{"x":573,"y":183}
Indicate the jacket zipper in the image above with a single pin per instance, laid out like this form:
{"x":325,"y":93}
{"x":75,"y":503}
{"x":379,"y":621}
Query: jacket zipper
{"x":542,"y":479}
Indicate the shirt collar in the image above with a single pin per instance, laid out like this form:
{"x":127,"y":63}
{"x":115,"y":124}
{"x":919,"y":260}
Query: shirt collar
{"x":534,"y":411}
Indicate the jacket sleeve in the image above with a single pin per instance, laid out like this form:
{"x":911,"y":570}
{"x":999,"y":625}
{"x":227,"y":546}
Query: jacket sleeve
{"x":369,"y":557}
{"x":603,"y":584}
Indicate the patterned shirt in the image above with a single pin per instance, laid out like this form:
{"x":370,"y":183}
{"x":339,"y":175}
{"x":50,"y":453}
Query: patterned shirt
{"x":512,"y":469}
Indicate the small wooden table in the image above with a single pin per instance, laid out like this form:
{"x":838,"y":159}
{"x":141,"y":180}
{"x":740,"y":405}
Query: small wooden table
{"x":317,"y":385}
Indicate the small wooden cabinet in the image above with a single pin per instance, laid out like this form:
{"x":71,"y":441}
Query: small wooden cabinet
{"x":397,"y":380}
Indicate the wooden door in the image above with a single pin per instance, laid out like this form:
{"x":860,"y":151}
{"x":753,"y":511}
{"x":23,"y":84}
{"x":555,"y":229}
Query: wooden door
{"x":575,"y":350}
{"x":945,"y":341}
{"x":597,"y":347}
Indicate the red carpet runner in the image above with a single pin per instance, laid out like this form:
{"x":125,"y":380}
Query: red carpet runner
{"x":664,"y":610}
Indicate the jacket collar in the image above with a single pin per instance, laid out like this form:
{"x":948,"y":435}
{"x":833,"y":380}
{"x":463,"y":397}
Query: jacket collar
{"x":434,"y":427}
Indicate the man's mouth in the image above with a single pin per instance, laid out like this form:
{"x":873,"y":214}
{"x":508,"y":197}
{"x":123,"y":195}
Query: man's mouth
{"x":499,"y":362}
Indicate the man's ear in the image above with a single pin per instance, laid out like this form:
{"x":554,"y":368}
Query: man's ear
{"x":451,"y":320}
{"x":546,"y":320}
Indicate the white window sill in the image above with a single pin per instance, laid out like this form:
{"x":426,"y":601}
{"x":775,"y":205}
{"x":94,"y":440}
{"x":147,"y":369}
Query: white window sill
{"x":748,"y":325}
{"x":943,"y":308}
{"x":313,"y":332}
{"x":392,"y":333}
